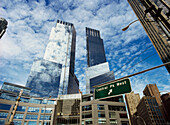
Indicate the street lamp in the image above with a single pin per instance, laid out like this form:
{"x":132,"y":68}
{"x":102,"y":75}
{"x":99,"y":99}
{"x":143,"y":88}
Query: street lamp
{"x":125,"y":28}
{"x":142,"y":119}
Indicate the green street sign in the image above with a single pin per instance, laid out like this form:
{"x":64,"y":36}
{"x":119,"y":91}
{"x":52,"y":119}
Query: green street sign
{"x":112,"y":89}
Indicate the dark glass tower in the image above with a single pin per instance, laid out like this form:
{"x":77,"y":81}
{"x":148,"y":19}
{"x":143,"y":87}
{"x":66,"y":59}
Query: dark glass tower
{"x":95,"y":48}
{"x":98,"y":69}
{"x":3,"y":26}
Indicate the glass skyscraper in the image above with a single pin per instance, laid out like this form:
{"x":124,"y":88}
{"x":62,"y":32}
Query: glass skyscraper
{"x":95,"y":48}
{"x":54,"y":74}
{"x":98,"y":69}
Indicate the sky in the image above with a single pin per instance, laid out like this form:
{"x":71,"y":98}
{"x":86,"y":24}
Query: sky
{"x":29,"y":27}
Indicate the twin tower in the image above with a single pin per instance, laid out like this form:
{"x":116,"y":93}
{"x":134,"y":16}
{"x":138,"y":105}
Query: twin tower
{"x":53,"y":75}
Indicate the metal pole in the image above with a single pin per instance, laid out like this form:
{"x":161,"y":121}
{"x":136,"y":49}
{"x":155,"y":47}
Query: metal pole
{"x":168,"y":63}
{"x":15,"y":108}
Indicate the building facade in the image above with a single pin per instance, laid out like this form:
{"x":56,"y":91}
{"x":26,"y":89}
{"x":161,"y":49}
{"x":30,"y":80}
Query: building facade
{"x":110,"y":111}
{"x":30,"y":111}
{"x":54,"y":74}
{"x":152,"y":90}
{"x":98,"y":69}
{"x":3,"y":26}
{"x":149,"y":111}
{"x":132,"y":101}
{"x":154,"y":17}
{"x":166,"y":106}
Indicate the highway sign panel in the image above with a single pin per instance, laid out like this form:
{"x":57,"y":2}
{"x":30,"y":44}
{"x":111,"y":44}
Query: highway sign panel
{"x":113,"y":88}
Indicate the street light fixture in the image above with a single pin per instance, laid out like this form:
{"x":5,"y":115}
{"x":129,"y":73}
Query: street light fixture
{"x":142,"y":119}
{"x":125,"y":28}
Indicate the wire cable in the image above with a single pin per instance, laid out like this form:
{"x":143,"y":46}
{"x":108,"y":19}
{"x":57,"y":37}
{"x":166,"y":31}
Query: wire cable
{"x":136,"y":63}
{"x":134,"y":58}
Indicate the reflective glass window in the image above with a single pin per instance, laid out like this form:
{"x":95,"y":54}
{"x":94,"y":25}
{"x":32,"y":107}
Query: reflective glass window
{"x":32,"y":122}
{"x":89,"y":122}
{"x":18,"y":116}
{"x":102,"y":121}
{"x":100,"y":107}
{"x":86,"y":108}
{"x":5,"y":106}
{"x":37,"y":101}
{"x":33,"y":117}
{"x":45,"y":117}
{"x":46,"y":110}
{"x":2,"y":122}
{"x":101,"y":114}
{"x":124,"y":123}
{"x":24,"y":99}
{"x":21,"y":108}
{"x":112,"y":115}
{"x":17,"y":122}
{"x":113,"y":122}
{"x":47,"y":101}
{"x":86,"y":115}
{"x":8,"y":97}
{"x":3,"y":115}
{"x":46,"y":123}
{"x":33,"y":109}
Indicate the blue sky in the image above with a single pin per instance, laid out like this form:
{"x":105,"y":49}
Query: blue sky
{"x":30,"y":23}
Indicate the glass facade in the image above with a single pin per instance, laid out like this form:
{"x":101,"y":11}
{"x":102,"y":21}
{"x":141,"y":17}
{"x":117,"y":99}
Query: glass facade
{"x":16,"y":122}
{"x":3,"y":115}
{"x":32,"y":117}
{"x":86,"y":108}
{"x":8,"y":96}
{"x":45,"y":117}
{"x":46,"y":110}
{"x":18,"y":116}
{"x":95,"y":47}
{"x":53,"y":74}
{"x":15,"y":88}
{"x":5,"y":106}
{"x":33,"y":109}
{"x":21,"y":108}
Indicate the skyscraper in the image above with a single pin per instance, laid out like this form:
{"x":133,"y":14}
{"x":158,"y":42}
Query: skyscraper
{"x":152,"y":90}
{"x":154,"y":17}
{"x":54,"y":74}
{"x":132,"y":100}
{"x":98,"y":68}
{"x":3,"y":26}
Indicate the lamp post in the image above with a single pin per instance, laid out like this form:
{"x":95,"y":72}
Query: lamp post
{"x":125,"y":28}
{"x":142,"y":119}
{"x":15,"y":108}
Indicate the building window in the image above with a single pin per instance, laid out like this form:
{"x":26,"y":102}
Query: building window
{"x":102,"y":121}
{"x":33,"y":117}
{"x":113,"y":122}
{"x":86,"y":115}
{"x":101,"y":114}
{"x":32,"y":122}
{"x":100,"y":107}
{"x":33,"y":109}
{"x":123,"y":115}
{"x":45,"y":117}
{"x":5,"y":106}
{"x":18,"y":116}
{"x":17,"y":122}
{"x":89,"y":122}
{"x":2,"y":122}
{"x":24,"y":99}
{"x":124,"y":123}
{"x":112,"y":115}
{"x":3,"y":115}
{"x":21,"y":108}
{"x":37,"y":101}
{"x":46,"y":110}
{"x":117,"y":108}
{"x":86,"y":108}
